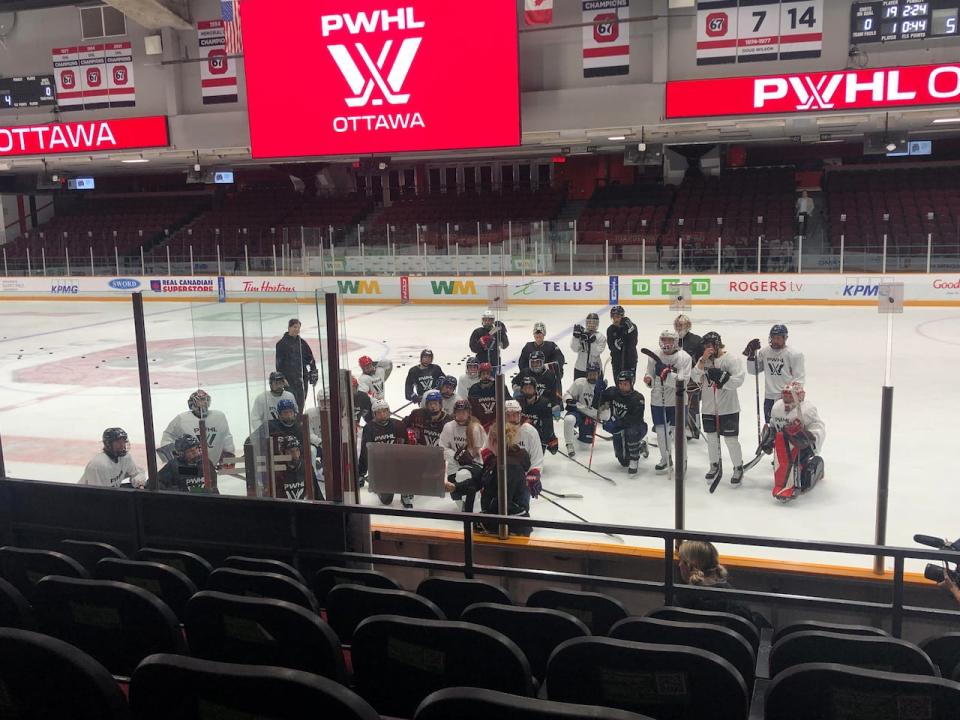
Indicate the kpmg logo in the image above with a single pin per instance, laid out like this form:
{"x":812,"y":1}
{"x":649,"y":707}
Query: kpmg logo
{"x":64,"y":289}
{"x":124,"y":284}
{"x":861,"y":290}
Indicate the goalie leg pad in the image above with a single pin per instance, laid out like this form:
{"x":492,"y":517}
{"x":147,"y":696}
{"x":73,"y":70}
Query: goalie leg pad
{"x":811,"y":470}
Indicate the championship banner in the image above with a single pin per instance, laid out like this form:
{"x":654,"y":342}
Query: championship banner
{"x":801,"y":29}
{"x":93,"y":81}
{"x":120,"y":84}
{"x":606,"y":38}
{"x":538,"y":12}
{"x":758,"y":30}
{"x":66,"y":72}
{"x":218,"y":75}
{"x":740,"y":31}
{"x":716,"y":32}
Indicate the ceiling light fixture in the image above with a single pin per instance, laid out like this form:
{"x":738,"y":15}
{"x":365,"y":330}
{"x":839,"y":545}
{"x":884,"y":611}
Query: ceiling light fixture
{"x":136,"y":160}
{"x":944,"y":121}
{"x":617,"y":138}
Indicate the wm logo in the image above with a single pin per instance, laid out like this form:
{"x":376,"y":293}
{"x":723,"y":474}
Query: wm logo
{"x":363,"y":86}
{"x":453,"y":287}
{"x":358,"y":287}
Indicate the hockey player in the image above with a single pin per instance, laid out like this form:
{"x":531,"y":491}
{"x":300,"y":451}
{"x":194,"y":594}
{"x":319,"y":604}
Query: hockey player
{"x":552,"y":356}
{"x":362,"y":408}
{"x":581,"y":415}
{"x":621,"y":410}
{"x":384,"y":429}
{"x":427,"y":422}
{"x":622,"y":341}
{"x":539,"y":412}
{"x":779,"y":364}
{"x":523,"y":480}
{"x":720,"y":374}
{"x":374,"y":376}
{"x":184,"y":472}
{"x":291,"y":473}
{"x":692,"y":344}
{"x":547,"y":381}
{"x":265,"y":406}
{"x":673,"y":364}
{"x":483,"y":397}
{"x":422,"y":377}
{"x":488,"y":340}
{"x":795,"y":436}
{"x":295,"y":361}
{"x":588,"y":343}
{"x":113,"y":467}
{"x":448,"y":391}
{"x":220,"y":447}
{"x":528,"y":438}
{"x":462,"y":440}
{"x":469,"y":378}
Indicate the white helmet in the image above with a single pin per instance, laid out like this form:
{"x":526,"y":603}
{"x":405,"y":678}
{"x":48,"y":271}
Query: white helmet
{"x":488,"y":315}
{"x":668,"y":342}
{"x":682,"y":324}
{"x":539,"y":328}
{"x":511,"y":406}
{"x":378,"y":405}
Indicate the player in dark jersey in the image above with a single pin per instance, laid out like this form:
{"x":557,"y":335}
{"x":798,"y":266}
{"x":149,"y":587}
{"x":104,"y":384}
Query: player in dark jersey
{"x":538,"y":412}
{"x":383,"y":429}
{"x":483,"y":397}
{"x":427,"y":422}
{"x":422,"y":377}
{"x":623,"y":407}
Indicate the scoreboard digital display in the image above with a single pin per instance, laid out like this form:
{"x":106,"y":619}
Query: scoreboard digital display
{"x":890,"y":20}
{"x":25,"y":92}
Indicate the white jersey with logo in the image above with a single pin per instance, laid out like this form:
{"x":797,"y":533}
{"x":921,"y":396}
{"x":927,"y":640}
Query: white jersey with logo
{"x":530,"y":441}
{"x":588,"y":351}
{"x":104,"y":471}
{"x":808,"y":416}
{"x":219,"y":439}
{"x":466,"y":382}
{"x":265,"y":407}
{"x":664,"y":394}
{"x":373,"y":384}
{"x":581,"y":391}
{"x":725,"y":400}
{"x":779,"y":368}
{"x":453,"y":439}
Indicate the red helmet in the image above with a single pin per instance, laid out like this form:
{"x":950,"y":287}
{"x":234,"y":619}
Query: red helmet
{"x":793,"y":394}
{"x":365,"y":360}
{"x":486,"y":367}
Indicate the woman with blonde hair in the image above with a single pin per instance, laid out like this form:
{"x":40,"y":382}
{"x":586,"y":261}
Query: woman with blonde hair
{"x":700,"y":566}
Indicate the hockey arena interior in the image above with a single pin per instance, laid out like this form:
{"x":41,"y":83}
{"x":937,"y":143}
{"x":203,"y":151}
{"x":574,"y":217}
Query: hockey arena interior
{"x":535,"y":359}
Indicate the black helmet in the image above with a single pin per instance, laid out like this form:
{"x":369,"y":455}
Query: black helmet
{"x":625,"y":375}
{"x":712,"y":338}
{"x":184,"y":443}
{"x":617,"y":310}
{"x":111,"y":435}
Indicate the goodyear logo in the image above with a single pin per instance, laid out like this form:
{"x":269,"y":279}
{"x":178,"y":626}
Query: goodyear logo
{"x":453,"y":287}
{"x":359,"y":287}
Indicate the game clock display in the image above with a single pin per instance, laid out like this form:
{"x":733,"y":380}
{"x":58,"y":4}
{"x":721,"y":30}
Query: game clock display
{"x":891,"y":20}
{"x":22,"y":92}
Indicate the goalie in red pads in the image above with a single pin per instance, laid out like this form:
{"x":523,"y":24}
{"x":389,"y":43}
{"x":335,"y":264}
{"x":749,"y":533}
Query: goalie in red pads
{"x":795,"y":436}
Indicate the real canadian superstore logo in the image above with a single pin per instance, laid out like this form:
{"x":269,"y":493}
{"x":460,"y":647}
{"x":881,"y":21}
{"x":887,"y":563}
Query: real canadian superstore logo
{"x":183,"y":285}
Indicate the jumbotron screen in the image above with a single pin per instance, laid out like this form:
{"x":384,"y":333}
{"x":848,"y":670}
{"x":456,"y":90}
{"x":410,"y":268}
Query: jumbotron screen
{"x":332,"y":77}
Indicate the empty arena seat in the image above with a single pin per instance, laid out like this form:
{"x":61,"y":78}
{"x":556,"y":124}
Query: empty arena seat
{"x":15,"y":610}
{"x":454,"y":595}
{"x":43,"y":678}
{"x":261,"y":584}
{"x":536,"y":631}
{"x":398,"y":661}
{"x":168,"y":687}
{"x":24,"y":568}
{"x":944,"y":651}
{"x":261,"y":631}
{"x":117,"y":623}
{"x":349,"y":605}
{"x":726,"y":643}
{"x":239,"y":562}
{"x":89,"y":553}
{"x":729,"y":620}
{"x":875,"y":653}
{"x":480,"y":704}
{"x":827,"y":690}
{"x":668,"y":682}
{"x":164,"y":581}
{"x":597,"y":611}
{"x":327,"y":578}
{"x":806,"y":625}
{"x":190,"y":564}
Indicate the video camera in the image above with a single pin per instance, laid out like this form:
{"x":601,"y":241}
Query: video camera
{"x":933,"y":571}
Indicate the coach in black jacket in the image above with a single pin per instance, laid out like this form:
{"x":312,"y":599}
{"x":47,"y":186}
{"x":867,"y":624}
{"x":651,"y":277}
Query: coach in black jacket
{"x":295,"y":361}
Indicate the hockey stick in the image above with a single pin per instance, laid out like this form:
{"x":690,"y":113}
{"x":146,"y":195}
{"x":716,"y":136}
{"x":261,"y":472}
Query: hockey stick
{"x":563,"y":496}
{"x":716,"y":429}
{"x":579,"y":517}
{"x":666,"y":425}
{"x":756,"y":382}
{"x":596,"y":420}
{"x":402,"y":407}
{"x":588,"y":469}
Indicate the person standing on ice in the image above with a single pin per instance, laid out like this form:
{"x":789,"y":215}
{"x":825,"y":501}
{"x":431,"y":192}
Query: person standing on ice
{"x":779,"y":364}
{"x":488,"y":339}
{"x":295,"y":361}
{"x":588,"y":343}
{"x":671,"y":364}
{"x":622,"y":341}
{"x":720,"y":374}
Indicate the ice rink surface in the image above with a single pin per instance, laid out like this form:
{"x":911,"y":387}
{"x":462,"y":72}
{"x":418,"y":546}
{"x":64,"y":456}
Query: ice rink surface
{"x":68,"y":370}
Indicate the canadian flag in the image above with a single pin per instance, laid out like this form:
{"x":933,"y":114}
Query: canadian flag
{"x":538,"y":12}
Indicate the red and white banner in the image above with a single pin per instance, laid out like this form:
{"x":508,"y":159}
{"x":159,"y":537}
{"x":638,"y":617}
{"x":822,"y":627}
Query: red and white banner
{"x":755,"y":30}
{"x":93,"y":77}
{"x":538,"y":12}
{"x":716,"y":32}
{"x":66,"y":72}
{"x":218,"y":75}
{"x":801,"y":29}
{"x":871,"y":89}
{"x":75,"y":137}
{"x":606,"y":38}
{"x":758,"y":30}
{"x":325,"y":77}
{"x":122,"y":89}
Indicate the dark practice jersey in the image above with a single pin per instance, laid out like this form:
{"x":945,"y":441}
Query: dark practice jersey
{"x":290,"y":474}
{"x":491,"y":353}
{"x":551,"y":354}
{"x":622,"y":344}
{"x":539,"y":414}
{"x":548,"y":385}
{"x":627,"y":409}
{"x":426,"y":427}
{"x":392,"y":433}
{"x":362,"y":407}
{"x":692,"y":345}
{"x":420,"y":379}
{"x":483,"y":403}
{"x":177,"y":477}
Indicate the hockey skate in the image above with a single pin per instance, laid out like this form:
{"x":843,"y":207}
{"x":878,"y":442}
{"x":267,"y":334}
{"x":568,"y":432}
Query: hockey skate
{"x":571,"y":451}
{"x":664,"y":465}
{"x":632,"y":470}
{"x":736,"y":480}
{"x":407,"y":501}
{"x":712,"y":473}
{"x":644,"y":449}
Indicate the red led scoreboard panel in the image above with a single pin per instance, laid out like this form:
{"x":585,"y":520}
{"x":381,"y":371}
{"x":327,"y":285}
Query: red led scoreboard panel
{"x":348,"y":77}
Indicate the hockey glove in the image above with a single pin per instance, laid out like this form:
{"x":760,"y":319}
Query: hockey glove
{"x":798,"y":435}
{"x":717,"y":376}
{"x":599,"y":387}
{"x":488,"y":457}
{"x":464,"y":457}
{"x":533,"y":483}
{"x":751,"y":350}
{"x":667,"y":369}
{"x":412,"y":437}
{"x":648,"y":381}
{"x":486,"y":341}
{"x":414,"y":398}
{"x":556,"y":412}
{"x":578,"y":331}
{"x":572,"y":405}
{"x":612,"y":426}
{"x":313,"y":377}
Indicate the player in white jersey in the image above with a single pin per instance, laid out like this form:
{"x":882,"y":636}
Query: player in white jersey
{"x":795,"y":435}
{"x":113,"y":467}
{"x":265,"y":406}
{"x":374,"y":376}
{"x":588,"y":343}
{"x":470,"y":378}
{"x":671,"y":364}
{"x":720,"y":374}
{"x":779,"y":364}
{"x":462,"y":440}
{"x":528,"y":439}
{"x":448,"y":394}
{"x":581,"y":415}
{"x":219,"y":440}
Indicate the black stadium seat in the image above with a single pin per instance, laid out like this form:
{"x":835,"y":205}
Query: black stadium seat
{"x":537,"y":631}
{"x":42,"y":678}
{"x":261,"y":631}
{"x":806,"y":625}
{"x":329,"y":577}
{"x":24,"y":568}
{"x":478,"y":704}
{"x":826,"y":690}
{"x":116,"y":623}
{"x":944,"y":650}
{"x":164,"y":581}
{"x":597,"y":611}
{"x":89,"y":553}
{"x":259,"y":584}
{"x":729,"y":620}
{"x":15,"y":611}
{"x":190,"y":564}
{"x":398,"y":661}
{"x":172,"y":687}
{"x":875,"y":653}
{"x":239,"y":562}
{"x":454,"y":595}
{"x":668,"y":682}
{"x":349,"y":605}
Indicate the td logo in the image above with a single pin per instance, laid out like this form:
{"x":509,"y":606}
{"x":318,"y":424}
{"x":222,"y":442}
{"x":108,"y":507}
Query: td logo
{"x":698,"y":286}
{"x":640,"y":286}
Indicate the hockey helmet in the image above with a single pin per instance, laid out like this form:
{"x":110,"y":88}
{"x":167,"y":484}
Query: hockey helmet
{"x":668,"y":342}
{"x":625,"y":376}
{"x":485,"y":367}
{"x":793,"y":394}
{"x":593,"y":322}
{"x":448,"y":382}
{"x":462,"y":405}
{"x":199,"y":403}
{"x":365,"y":362}
{"x":779,"y":329}
{"x":713,"y":339}
{"x":377,"y":407}
{"x":110,"y":436}
{"x":473,"y":366}
{"x":510,"y":407}
{"x":426,"y":352}
{"x":287,"y":405}
{"x":488,"y":316}
{"x":432,"y":396}
{"x":539,"y":328}
{"x":593,"y":367}
{"x":537,"y":360}
{"x":617,"y":311}
{"x":185,"y":443}
{"x":682,"y":324}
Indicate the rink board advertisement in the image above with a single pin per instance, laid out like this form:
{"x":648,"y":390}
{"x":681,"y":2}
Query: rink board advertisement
{"x":595,"y":291}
